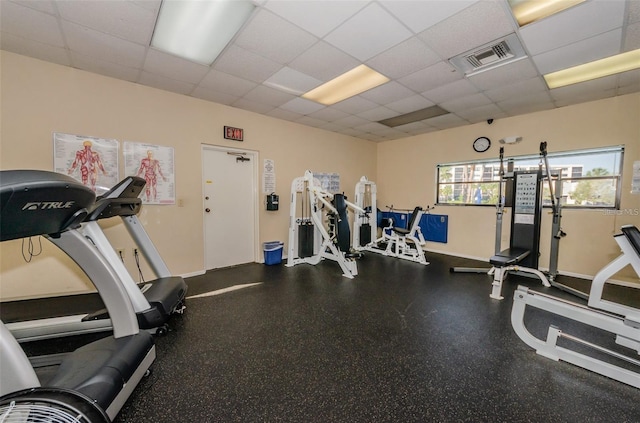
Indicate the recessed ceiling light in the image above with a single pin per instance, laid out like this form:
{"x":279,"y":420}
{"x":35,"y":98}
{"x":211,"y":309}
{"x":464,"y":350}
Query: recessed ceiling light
{"x":527,"y":11}
{"x":353,"y":82}
{"x":199,"y":30}
{"x":604,"y":67}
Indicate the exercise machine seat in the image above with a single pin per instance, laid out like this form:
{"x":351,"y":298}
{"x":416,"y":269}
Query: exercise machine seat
{"x":99,"y":370}
{"x":412,"y":219}
{"x":509,"y":257}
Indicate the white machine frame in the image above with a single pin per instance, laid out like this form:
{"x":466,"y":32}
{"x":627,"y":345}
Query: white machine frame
{"x":624,"y":324}
{"x":404,"y":246}
{"x":365,"y":196}
{"x":319,"y":200}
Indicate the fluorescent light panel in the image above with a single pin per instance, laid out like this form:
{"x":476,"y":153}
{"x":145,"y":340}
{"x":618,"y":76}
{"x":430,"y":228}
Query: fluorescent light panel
{"x":604,"y":67}
{"x":199,"y":30}
{"x":353,"y":82}
{"x":527,"y":11}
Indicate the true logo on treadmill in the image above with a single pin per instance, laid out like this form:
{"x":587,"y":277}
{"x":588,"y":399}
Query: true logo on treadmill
{"x":48,"y":205}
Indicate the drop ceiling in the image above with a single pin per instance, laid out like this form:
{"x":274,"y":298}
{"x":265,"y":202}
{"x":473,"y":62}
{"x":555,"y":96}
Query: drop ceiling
{"x":289,"y":47}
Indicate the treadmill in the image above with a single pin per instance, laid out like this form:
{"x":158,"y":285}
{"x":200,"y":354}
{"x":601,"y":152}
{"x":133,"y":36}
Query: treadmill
{"x":153,"y":305}
{"x":94,"y":381}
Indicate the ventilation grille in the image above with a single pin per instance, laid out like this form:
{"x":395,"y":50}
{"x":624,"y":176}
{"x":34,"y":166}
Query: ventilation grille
{"x":500,"y":51}
{"x":489,"y":56}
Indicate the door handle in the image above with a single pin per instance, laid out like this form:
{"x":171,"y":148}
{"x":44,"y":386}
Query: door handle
{"x":208,"y":210}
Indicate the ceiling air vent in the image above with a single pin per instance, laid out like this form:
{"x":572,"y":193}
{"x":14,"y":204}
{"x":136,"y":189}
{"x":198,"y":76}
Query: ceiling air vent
{"x":491,"y":55}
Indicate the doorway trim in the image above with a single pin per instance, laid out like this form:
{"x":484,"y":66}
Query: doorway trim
{"x":254,"y":155}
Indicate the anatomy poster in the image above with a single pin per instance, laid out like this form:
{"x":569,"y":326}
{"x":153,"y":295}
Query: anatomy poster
{"x":155,"y":164}
{"x":92,"y":161}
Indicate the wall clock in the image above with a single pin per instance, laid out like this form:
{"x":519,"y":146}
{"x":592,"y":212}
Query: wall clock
{"x":481,"y":144}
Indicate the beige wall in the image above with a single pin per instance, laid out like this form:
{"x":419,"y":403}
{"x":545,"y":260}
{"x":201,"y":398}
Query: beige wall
{"x":406,"y":177}
{"x":39,"y":98}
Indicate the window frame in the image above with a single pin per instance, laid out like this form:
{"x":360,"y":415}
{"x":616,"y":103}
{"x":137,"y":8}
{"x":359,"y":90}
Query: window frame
{"x":616,"y":178}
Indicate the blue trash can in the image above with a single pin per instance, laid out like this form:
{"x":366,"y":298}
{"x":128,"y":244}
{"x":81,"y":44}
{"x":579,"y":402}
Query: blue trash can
{"x":273,"y":252}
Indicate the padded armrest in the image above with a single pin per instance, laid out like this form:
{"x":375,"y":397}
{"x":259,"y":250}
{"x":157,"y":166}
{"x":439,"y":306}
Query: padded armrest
{"x":509,"y":256}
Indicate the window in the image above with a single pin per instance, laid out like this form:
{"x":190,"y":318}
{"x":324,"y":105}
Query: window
{"x":590,"y":178}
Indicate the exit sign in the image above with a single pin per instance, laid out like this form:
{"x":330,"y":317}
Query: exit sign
{"x":231,"y":133}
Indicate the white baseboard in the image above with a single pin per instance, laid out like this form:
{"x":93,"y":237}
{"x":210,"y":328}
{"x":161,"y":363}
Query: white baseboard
{"x":191,"y":274}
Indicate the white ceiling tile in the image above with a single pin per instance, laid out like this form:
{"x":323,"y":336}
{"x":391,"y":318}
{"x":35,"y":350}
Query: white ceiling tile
{"x":632,"y":37}
{"x":504,"y":75}
{"x":481,"y":113}
{"x":123,"y":19}
{"x":252,"y":106}
{"x":420,"y":15}
{"x":245,"y":64}
{"x":152,"y":5}
{"x":329,"y":114}
{"x":318,"y":17}
{"x":292,"y":81}
{"x":581,"y":52}
{"x":164,"y":83}
{"x":26,"y":47}
{"x":467,"y":102}
{"x":324,"y":62}
{"x":46,"y":6}
{"x":174,"y":67}
{"x":574,"y":24}
{"x":474,"y":26}
{"x":429,"y":78}
{"x":215,"y":96}
{"x":259,"y":37}
{"x":103,"y":46}
{"x":455,"y":89}
{"x":273,"y":97}
{"x":412,"y":127}
{"x":352,"y":132}
{"x":585,"y":91}
{"x":387,"y":93}
{"x":228,"y":84}
{"x":306,"y":120}
{"x":379,"y":113}
{"x":302,"y":106}
{"x":369,"y":32}
{"x":29,"y":23}
{"x":407,"y":57}
{"x":630,"y":79}
{"x":284,"y":114}
{"x":351,"y":121}
{"x":525,"y":100}
{"x":355,"y":105}
{"x":91,"y":64}
{"x":445,"y":121}
{"x":371,"y":127}
{"x":410,"y":104}
{"x":525,"y":87}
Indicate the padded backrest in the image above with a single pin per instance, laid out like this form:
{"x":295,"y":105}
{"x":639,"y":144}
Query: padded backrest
{"x":37,"y":202}
{"x":342,"y":225}
{"x":413,"y":217}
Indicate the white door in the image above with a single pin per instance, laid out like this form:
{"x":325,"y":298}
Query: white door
{"x":229,"y":183}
